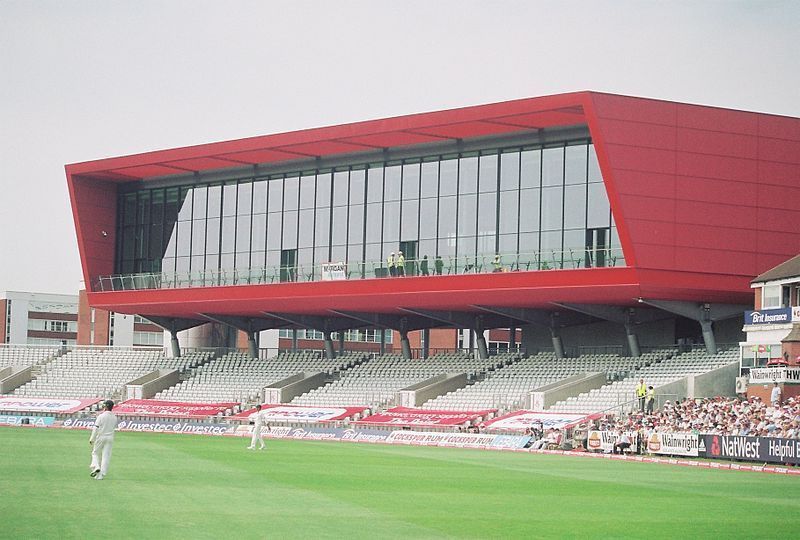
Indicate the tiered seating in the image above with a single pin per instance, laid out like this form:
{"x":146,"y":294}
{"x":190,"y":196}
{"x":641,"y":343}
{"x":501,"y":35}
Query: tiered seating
{"x":238,"y":377}
{"x":508,"y":387}
{"x":101,"y":373}
{"x":375,"y":383}
{"x":656,"y":374}
{"x":24,"y":356}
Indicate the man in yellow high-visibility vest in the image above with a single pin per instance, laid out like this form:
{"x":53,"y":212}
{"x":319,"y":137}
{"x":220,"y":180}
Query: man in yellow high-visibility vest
{"x":651,"y":399}
{"x":641,"y":392}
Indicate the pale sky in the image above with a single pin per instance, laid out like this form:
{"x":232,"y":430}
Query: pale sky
{"x":82,"y":80}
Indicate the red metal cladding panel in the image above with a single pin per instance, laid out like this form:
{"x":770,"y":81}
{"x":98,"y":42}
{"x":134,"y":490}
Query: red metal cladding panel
{"x":722,"y":215}
{"x":325,"y":148}
{"x":779,"y":150}
{"x":629,"y":133}
{"x":261,"y":156}
{"x":394,"y":139}
{"x":644,"y":183}
{"x":773,"y":219}
{"x":779,"y":174}
{"x":717,"y":191}
{"x":703,"y":166}
{"x":146,"y":171}
{"x":202,"y":164}
{"x":544,"y":119}
{"x":94,"y":205}
{"x":711,"y":237}
{"x":780,"y":197}
{"x":653,"y":232}
{"x":691,"y":259}
{"x":716,"y":119}
{"x":634,"y":109}
{"x":468,"y":129}
{"x":649,"y":208}
{"x":779,"y":127}
{"x":717,"y":143}
{"x":639,"y":158}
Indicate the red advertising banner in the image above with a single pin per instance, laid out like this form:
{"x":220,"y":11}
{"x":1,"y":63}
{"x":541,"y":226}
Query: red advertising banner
{"x":298,"y":413}
{"x":50,"y":405}
{"x":406,"y":416}
{"x":173,"y":409}
{"x":522,"y":420}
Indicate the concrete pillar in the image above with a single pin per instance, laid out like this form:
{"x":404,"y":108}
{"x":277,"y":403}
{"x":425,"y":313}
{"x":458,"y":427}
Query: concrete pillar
{"x":483,"y":351}
{"x":708,"y":337}
{"x":405,"y":344}
{"x":174,"y":344}
{"x":294,"y":339}
{"x":383,"y":341}
{"x":558,"y":345}
{"x":252,"y":344}
{"x":330,"y":354}
{"x":426,"y":338}
{"x":633,"y":340}
{"x":341,"y":341}
{"x":512,"y":338}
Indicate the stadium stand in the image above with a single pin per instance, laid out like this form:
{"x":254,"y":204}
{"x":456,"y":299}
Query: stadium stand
{"x":238,"y":377}
{"x":24,"y":356}
{"x":657,"y":374}
{"x":507,"y":388}
{"x":375,"y":383}
{"x":101,"y":372}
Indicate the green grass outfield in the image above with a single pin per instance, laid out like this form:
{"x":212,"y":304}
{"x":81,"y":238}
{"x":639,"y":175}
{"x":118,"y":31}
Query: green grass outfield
{"x":185,"y":486}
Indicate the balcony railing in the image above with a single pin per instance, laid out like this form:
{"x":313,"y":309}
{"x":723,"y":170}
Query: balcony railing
{"x":481,"y":264}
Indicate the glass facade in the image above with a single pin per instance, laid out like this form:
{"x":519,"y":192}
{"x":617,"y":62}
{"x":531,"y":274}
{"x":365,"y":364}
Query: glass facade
{"x":539,"y":207}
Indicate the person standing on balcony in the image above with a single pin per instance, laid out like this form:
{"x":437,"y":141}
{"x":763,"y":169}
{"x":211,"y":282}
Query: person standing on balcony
{"x":400,"y":264}
{"x":438,"y":264}
{"x":497,"y":263}
{"x":390,"y":264}
{"x":423,"y":265}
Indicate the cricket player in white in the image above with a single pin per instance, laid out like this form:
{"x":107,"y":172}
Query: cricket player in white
{"x":258,"y":424}
{"x":102,"y":439}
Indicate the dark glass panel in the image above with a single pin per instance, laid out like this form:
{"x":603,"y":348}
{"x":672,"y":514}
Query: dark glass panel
{"x":291,"y":193}
{"x":212,"y":235}
{"x":575,"y":206}
{"x":553,"y":166}
{"x":409,"y":220}
{"x":341,"y":188}
{"x":530,"y":169}
{"x":551,"y":208}
{"x":308,"y":191}
{"x":357,"y":179}
{"x":157,"y":211}
{"x":260,"y":197}
{"x":429,"y":184}
{"x":199,"y":238}
{"x":448,"y":177}
{"x":575,"y":165}
{"x":411,"y":181}
{"x":598,"y":214}
{"x":487,"y":213}
{"x":594,"y":166}
{"x":199,"y":198}
{"x":324,"y":180}
{"x":185,"y":212}
{"x":355,"y":231}
{"x":468,"y":175}
{"x":391,"y":183}
{"x":374,"y":222}
{"x":375,"y":184}
{"x":129,"y":208}
{"x":487,"y":174}
{"x":171,"y":207}
{"x":509,"y":211}
{"x":214,"y":201}
{"x":184,"y":238}
{"x":428,"y":218}
{"x":276,"y":195}
{"x":306,"y":228}
{"x":289,"y":230}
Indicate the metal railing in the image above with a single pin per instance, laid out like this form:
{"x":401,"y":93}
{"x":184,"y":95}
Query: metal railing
{"x":479,"y":264}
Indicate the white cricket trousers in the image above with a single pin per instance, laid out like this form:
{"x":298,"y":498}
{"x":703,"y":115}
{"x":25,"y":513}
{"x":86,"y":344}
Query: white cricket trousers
{"x":101,"y":453}
{"x":257,"y":436}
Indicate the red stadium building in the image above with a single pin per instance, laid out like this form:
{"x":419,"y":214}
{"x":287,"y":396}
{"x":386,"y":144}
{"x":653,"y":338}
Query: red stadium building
{"x":582,"y":218}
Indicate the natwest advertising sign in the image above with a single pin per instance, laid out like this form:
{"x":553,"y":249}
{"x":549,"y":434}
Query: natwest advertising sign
{"x":50,"y":405}
{"x":297,"y":413}
{"x":768,"y":316}
{"x":407,"y":416}
{"x":175,"y":409}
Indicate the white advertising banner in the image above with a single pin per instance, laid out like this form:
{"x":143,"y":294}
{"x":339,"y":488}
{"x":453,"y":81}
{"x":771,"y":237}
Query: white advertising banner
{"x":522,"y":420}
{"x":673,"y":444}
{"x":776,"y":374}
{"x":51,"y":405}
{"x":333,"y":271}
{"x":603,"y":441}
